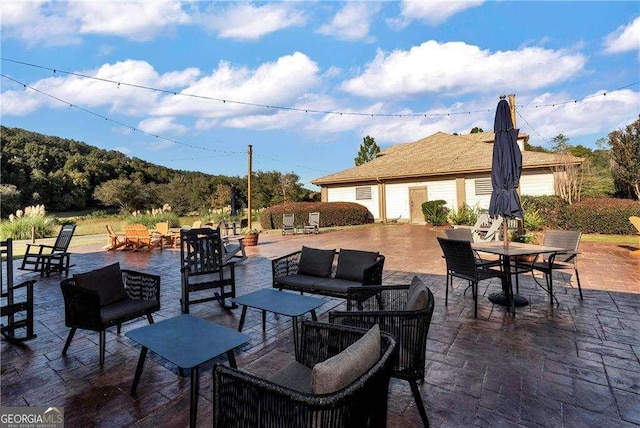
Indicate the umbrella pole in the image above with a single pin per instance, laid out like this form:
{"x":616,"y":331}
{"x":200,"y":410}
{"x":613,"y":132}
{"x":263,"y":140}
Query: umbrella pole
{"x":505,"y":231}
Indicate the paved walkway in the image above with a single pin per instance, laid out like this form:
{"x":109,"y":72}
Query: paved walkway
{"x":572,"y":365}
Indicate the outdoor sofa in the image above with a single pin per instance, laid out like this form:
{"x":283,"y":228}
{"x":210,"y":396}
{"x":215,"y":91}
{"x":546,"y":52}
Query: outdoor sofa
{"x":327,"y":272}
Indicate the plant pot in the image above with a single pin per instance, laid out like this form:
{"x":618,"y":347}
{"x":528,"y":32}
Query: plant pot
{"x":250,"y":240}
{"x":526,"y":259}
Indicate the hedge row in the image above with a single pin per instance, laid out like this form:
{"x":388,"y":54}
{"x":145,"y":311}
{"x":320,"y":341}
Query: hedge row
{"x":331,"y":214}
{"x":600,"y":215}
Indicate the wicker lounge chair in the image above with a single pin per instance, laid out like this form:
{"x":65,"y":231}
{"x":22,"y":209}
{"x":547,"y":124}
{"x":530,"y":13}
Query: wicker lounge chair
{"x":404,"y":311}
{"x":313,"y":225}
{"x":287,"y":399}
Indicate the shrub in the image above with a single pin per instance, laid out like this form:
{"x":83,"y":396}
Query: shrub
{"x":150,"y":220}
{"x":546,"y":207}
{"x":599,"y":215}
{"x":331,"y":214}
{"x":465,"y":215}
{"x":21,"y":227}
{"x":435,"y":212}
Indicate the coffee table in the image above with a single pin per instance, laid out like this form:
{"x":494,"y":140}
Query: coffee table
{"x":187,"y":342}
{"x":279,"y":302}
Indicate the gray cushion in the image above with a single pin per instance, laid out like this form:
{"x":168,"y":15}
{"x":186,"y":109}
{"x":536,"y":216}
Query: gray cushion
{"x":316,"y":262}
{"x":107,"y":281}
{"x":352,"y":263}
{"x":335,"y":285}
{"x":295,"y":376}
{"x":127,"y":309}
{"x":341,"y":370}
{"x":417,"y":296}
{"x":296,"y":280}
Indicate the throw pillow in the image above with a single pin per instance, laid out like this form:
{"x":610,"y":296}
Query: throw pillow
{"x":107,"y":281}
{"x":352,"y":263}
{"x":417,"y":295}
{"x":341,"y":370}
{"x":316,"y":262}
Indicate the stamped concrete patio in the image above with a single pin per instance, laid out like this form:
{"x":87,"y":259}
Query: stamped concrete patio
{"x":573,"y":365}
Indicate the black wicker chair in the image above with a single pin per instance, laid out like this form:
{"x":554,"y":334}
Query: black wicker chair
{"x":17,"y":300}
{"x":244,"y":400}
{"x":461,"y":263}
{"x":92,"y":300}
{"x":386,"y":306}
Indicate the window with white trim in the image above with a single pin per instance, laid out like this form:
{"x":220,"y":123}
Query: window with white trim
{"x":483,"y":186}
{"x":363,"y":193}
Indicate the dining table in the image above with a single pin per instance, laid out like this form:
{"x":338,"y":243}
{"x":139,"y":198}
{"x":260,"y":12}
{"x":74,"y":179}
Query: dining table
{"x":506,"y":253}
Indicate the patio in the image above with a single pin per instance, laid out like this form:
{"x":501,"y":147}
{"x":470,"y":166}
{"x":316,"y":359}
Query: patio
{"x":573,"y":365}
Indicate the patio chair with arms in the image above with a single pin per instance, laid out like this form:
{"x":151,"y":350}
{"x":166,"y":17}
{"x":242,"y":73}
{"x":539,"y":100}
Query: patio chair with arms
{"x":288,"y":225}
{"x":50,"y":258}
{"x":116,"y":240}
{"x":548,"y":263}
{"x":465,"y":234}
{"x":635,"y":221}
{"x":461,"y":263}
{"x":313,"y":225}
{"x":340,"y":379}
{"x":17,"y":300}
{"x":403,"y":311}
{"x":137,"y":237}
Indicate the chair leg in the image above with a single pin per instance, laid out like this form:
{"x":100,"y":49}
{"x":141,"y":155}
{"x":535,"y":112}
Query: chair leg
{"x":150,"y":318}
{"x":575,"y":268}
{"x":102,"y":346}
{"x":69,"y":339}
{"x":446,"y":293}
{"x":419,"y":403}
{"x":474,"y":291}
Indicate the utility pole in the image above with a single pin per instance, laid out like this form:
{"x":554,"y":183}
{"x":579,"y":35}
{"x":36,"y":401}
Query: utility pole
{"x":250,"y":222}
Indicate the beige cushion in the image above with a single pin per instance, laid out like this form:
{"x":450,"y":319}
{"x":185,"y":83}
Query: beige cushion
{"x":417,"y":296}
{"x":107,"y":281}
{"x":341,"y":370}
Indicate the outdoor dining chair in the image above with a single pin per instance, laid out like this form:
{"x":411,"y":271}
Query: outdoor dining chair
{"x":461,"y":263}
{"x":548,"y":263}
{"x":466,"y":234}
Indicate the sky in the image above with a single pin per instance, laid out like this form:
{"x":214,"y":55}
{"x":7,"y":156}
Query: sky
{"x":192,"y":84}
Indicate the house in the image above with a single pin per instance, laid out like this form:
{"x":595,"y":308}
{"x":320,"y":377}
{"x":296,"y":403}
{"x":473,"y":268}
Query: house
{"x":455,"y":168}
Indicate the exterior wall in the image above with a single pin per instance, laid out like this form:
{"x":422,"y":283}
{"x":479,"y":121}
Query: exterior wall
{"x":398,"y":196}
{"x":537,"y":184}
{"x":348,"y":194}
{"x":473,"y":200}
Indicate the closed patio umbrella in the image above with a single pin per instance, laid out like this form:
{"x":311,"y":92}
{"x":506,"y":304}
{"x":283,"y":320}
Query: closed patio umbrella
{"x":506,"y":168}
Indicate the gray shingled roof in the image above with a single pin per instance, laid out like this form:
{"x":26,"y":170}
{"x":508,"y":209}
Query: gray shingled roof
{"x":437,"y":155}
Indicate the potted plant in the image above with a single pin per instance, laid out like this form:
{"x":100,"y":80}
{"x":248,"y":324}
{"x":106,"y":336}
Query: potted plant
{"x":526,"y":238}
{"x":251,"y":237}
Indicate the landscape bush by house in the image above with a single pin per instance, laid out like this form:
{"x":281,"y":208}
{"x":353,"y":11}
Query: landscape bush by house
{"x":331,"y":214}
{"x":435,"y":212}
{"x":599,"y":215}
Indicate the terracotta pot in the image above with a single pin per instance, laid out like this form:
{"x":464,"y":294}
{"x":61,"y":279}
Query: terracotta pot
{"x":251,"y":240}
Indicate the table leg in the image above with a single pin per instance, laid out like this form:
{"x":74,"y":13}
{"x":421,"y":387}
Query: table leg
{"x":264,"y":320}
{"x":295,"y":336}
{"x":242,"y":317}
{"x":193,"y":408}
{"x":313,"y":315}
{"x":506,"y":297}
{"x":232,"y":359}
{"x":136,"y":378}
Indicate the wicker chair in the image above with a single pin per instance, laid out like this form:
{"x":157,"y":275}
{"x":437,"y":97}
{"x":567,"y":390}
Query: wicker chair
{"x":386,"y":306}
{"x":106,"y":297}
{"x":242,"y":399}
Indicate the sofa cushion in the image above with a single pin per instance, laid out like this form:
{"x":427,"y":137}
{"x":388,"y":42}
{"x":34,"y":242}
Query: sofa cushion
{"x":127,"y":309}
{"x":341,"y":370}
{"x":297,"y":280}
{"x":352,"y":263}
{"x":295,"y":376}
{"x":417,"y":295}
{"x":316,"y":262}
{"x":107,"y":281}
{"x":334,"y":285}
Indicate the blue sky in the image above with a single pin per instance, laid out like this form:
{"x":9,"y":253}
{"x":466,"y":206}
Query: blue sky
{"x":200,"y":81}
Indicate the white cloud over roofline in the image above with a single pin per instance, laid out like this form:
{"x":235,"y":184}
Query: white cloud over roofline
{"x":458,"y":68}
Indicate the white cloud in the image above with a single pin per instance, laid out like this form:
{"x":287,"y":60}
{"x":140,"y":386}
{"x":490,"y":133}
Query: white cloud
{"x":38,"y":23}
{"x":435,"y":12}
{"x":352,"y":22}
{"x":161,"y":126}
{"x":248,"y":22}
{"x":457,"y":67}
{"x":278,"y":83}
{"x":625,"y":38}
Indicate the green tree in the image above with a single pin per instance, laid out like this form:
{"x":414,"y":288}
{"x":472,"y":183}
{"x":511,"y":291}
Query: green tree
{"x":127,"y":195}
{"x":625,"y":155}
{"x":476,"y":130}
{"x":368,"y":151}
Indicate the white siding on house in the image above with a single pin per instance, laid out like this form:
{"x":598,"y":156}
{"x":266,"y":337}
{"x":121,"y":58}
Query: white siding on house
{"x":473,"y":200}
{"x":398,"y":196}
{"x":537,"y":184}
{"x":348,"y":194}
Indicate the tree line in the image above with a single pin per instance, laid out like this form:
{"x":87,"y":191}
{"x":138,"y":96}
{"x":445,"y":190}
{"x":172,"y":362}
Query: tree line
{"x":67,"y":175}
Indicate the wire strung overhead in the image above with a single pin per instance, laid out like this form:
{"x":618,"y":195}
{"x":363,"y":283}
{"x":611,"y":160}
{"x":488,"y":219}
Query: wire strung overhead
{"x":298,"y":109}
